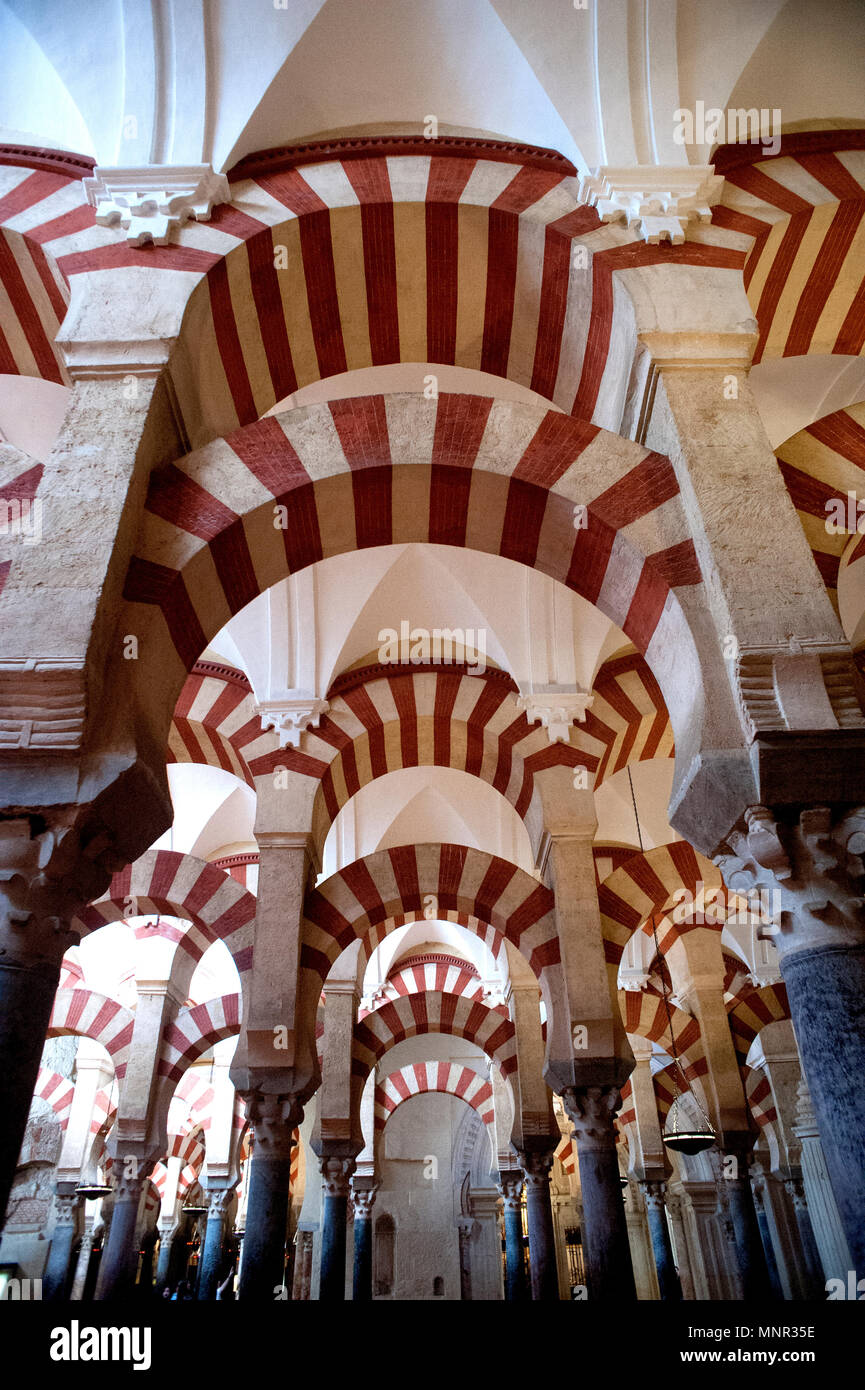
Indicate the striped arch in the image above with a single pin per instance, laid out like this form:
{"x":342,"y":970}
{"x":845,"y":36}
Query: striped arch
{"x":374,"y":895}
{"x":820,"y":465}
{"x":442,"y":973}
{"x":217,"y":907}
{"x":33,"y":287}
{"x":489,"y":475}
{"x":800,"y":216}
{"x":432,"y":1012}
{"x":195,"y":1029}
{"x":646,"y":884}
{"x":627,"y":718}
{"x":751,"y":1010}
{"x":644,"y":1014}
{"x":447,"y":1078}
{"x":215,"y":722}
{"x":58,"y":1091}
{"x":758,"y":1094}
{"x":89,"y":1015}
{"x":566,"y":1153}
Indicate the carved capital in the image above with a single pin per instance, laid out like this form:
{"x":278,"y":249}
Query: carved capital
{"x":510,"y":1185}
{"x":274,"y":1119}
{"x":659,"y":202}
{"x":219,"y":1200}
{"x":814,"y":868}
{"x":592,"y":1111}
{"x":536,"y":1167}
{"x":336,"y":1175}
{"x":556,"y":708}
{"x":290,"y":718}
{"x":67,"y":1206}
{"x":795,"y":1189}
{"x":655,"y":1195}
{"x":151,"y":202}
{"x":363,"y":1200}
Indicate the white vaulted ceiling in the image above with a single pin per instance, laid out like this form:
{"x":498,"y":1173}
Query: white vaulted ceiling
{"x":599,"y":84}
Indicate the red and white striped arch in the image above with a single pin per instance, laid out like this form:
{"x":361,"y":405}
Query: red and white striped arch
{"x":752,"y":1010}
{"x":800,"y":217}
{"x":645,"y":885}
{"x":58,"y":1091}
{"x":196,"y":1029}
{"x":821,"y":464}
{"x":489,"y":475}
{"x":217,"y":907}
{"x":644,"y":1014}
{"x":447,"y":1078}
{"x":431,"y":1012}
{"x":89,"y":1015}
{"x":434,"y":973}
{"x":371,"y":897}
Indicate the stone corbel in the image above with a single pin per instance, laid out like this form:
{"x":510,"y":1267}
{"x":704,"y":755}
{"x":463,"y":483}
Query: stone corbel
{"x":290,"y":718}
{"x":556,"y":708}
{"x":151,"y":202}
{"x":659,"y":202}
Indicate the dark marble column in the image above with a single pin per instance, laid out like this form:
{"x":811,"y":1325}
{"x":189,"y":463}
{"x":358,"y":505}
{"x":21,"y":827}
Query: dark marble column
{"x":511,"y":1188}
{"x":363,"y":1192}
{"x":219,"y":1199}
{"x":336,"y":1177}
{"x":662,"y":1248}
{"x":163,"y":1262}
{"x":274,"y":1119}
{"x":606,"y":1249}
{"x":742,"y":1213}
{"x":812,"y":1276}
{"x":758,"y":1191}
{"x":813,"y":868}
{"x":55,"y":1280}
{"x":120,"y":1255}
{"x":539,"y":1218}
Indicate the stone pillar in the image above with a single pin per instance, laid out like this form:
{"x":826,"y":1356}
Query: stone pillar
{"x":274,"y":1119}
{"x":539,"y":1213}
{"x":665,"y":1267}
{"x":822,"y":1207}
{"x":303,"y":1264}
{"x":82,"y":1264}
{"x":56,"y":1276}
{"x":812,"y":1274}
{"x":742,"y":1213}
{"x":683,"y":1253}
{"x":606,"y":1249}
{"x":120,"y":1255}
{"x":219,"y":1200}
{"x":336,"y":1177}
{"x":465,"y":1229}
{"x":511,"y":1188}
{"x":30,"y":954}
{"x":815,"y":867}
{"x":363,"y":1192}
{"x":758,"y":1190}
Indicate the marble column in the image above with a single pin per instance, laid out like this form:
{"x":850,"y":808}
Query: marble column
{"x":274,"y":1119}
{"x":758,"y":1191}
{"x":742,"y":1214}
{"x":659,"y":1233}
{"x":811,"y":1271}
{"x":814,"y":866}
{"x":606,"y":1248}
{"x":120,"y":1255}
{"x":82,"y":1264}
{"x":822,"y":1207}
{"x":218,"y":1201}
{"x":539,"y":1215}
{"x":303,"y":1265}
{"x":56,"y":1276}
{"x":674,"y":1203}
{"x":363,"y":1192}
{"x":511,"y":1188}
{"x":336,"y":1177}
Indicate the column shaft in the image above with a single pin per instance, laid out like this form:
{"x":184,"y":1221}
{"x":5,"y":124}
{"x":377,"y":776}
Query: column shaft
{"x":606,"y":1248}
{"x":539,"y":1214}
{"x":211,"y":1255}
{"x":662,"y":1249}
{"x":333,"y":1246}
{"x":756,"y":1284}
{"x":55,"y":1280}
{"x":26,"y":998}
{"x":120,"y":1256}
{"x":263,"y":1261}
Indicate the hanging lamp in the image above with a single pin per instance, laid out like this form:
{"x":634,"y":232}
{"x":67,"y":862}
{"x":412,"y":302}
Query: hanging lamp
{"x":691,"y":1140}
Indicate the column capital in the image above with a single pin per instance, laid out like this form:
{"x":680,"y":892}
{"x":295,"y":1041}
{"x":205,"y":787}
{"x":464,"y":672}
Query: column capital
{"x":67,"y":1204}
{"x":654,"y":1194}
{"x":795,"y":1189}
{"x":510,"y":1185}
{"x":592,"y":1111}
{"x":336,"y":1175}
{"x":537,"y":1164}
{"x":219,"y":1200}
{"x":363,"y":1195}
{"x":274,"y":1119}
{"x":812,"y":864}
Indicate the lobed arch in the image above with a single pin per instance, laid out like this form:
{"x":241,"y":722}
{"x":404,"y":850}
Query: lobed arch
{"x":491,"y":475}
{"x":421,"y":1078}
